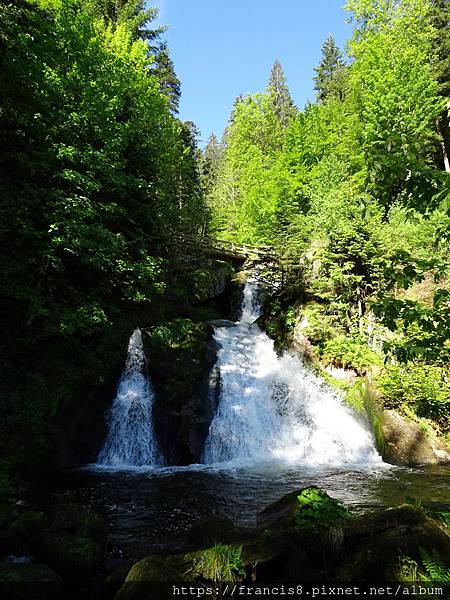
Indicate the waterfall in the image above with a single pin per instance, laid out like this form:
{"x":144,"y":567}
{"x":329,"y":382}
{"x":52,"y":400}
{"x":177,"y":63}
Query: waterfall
{"x":131,"y":438}
{"x":276,"y":408}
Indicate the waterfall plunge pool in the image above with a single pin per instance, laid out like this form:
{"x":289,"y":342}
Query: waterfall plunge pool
{"x":150,"y":510}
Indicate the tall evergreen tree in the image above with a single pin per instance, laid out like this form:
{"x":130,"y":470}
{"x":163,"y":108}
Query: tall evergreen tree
{"x":282,"y":102}
{"x":132,"y":12}
{"x":211,"y":160}
{"x":169,"y":84}
{"x":329,"y":73}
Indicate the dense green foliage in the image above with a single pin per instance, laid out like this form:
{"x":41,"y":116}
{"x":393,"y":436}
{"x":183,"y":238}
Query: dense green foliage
{"x":353,"y":191}
{"x":99,"y":180}
{"x":422,"y":387}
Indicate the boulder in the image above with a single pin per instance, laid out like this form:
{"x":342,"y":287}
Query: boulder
{"x":217,"y":530}
{"x":377,"y":556}
{"x":149,"y":578}
{"x":74,"y":540}
{"x":186,"y":383}
{"x":406,"y":444}
{"x":37,"y":582}
{"x":79,"y":520}
{"x":71,"y":555}
{"x":28,"y":524}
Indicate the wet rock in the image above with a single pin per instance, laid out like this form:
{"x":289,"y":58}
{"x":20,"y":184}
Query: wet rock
{"x":316,"y":510}
{"x":222,"y":323}
{"x":280,"y":514}
{"x":405,"y":443}
{"x":377,"y":556}
{"x":120,"y":571}
{"x":79,"y":520}
{"x":186,"y":386}
{"x":74,"y":540}
{"x":149,"y":578}
{"x":29,"y":572}
{"x":71,"y":555}
{"x":217,"y":530}
{"x":37,"y":582}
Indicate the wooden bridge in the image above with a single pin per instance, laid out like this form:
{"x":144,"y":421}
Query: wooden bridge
{"x":229,"y":250}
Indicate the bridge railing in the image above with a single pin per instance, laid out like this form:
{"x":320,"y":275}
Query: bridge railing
{"x":214,"y":244}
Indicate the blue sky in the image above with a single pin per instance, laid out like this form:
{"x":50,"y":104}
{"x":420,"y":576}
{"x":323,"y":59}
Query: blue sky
{"x":222,"y":48}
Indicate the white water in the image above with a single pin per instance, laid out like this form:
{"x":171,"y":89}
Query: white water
{"x":276,"y":408}
{"x":131,"y":439}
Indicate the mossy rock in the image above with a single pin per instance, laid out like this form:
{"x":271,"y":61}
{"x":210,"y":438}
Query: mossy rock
{"x":32,"y":581}
{"x":28,"y":524}
{"x":377,"y":557}
{"x":70,"y":554}
{"x":405,"y":443}
{"x":149,"y":578}
{"x":28,"y":573}
{"x":217,"y":530}
{"x":119,"y":573}
{"x":80,"y":521}
{"x":310,"y":505}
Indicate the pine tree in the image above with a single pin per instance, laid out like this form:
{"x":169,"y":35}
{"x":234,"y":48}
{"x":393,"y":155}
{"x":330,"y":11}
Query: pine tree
{"x":282,"y":103}
{"x":210,"y":163}
{"x":329,"y":73}
{"x":132,"y":12}
{"x":169,"y":84}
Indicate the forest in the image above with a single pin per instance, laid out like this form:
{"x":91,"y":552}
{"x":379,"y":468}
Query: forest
{"x":111,"y":219}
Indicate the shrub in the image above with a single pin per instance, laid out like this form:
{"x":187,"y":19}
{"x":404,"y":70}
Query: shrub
{"x":421,"y":387}
{"x":350,"y":352}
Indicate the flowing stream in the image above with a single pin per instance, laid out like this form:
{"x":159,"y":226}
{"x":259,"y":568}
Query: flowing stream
{"x":131,"y":439}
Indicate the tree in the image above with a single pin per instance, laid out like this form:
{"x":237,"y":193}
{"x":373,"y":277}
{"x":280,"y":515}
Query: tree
{"x":395,"y":93}
{"x":281,"y":101}
{"x":133,"y":13}
{"x":211,"y":159}
{"x":163,"y":69}
{"x":330,"y":74}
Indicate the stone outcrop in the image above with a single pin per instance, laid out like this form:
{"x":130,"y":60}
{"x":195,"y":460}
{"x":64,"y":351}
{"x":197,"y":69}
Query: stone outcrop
{"x":406,"y":444}
{"x":187,"y":386}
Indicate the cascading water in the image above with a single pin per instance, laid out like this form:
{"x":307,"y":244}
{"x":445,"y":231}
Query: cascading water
{"x":273,"y":407}
{"x":131,"y":439}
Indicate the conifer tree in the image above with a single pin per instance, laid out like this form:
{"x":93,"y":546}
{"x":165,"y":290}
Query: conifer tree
{"x":329,"y":73}
{"x":169,"y":84}
{"x":282,"y":103}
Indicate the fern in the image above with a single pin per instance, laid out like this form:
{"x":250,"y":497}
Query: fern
{"x":434,"y":566}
